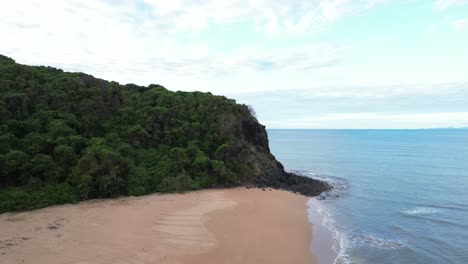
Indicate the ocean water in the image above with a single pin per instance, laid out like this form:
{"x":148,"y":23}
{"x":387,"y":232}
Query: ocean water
{"x":403,"y":193}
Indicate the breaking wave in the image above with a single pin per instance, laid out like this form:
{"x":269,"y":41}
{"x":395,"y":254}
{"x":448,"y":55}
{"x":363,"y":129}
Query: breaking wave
{"x":419,"y":211}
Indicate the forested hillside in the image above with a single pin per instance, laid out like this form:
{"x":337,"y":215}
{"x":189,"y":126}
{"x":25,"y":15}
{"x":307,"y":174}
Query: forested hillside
{"x":66,"y":137}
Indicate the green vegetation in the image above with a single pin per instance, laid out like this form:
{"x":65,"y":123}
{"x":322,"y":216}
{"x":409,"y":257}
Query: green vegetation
{"x":66,"y":137}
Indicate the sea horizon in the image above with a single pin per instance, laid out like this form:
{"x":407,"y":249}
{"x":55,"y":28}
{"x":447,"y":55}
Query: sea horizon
{"x":434,"y":128}
{"x":400,"y":195}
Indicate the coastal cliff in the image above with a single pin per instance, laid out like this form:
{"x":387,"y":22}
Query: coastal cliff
{"x":67,"y":137}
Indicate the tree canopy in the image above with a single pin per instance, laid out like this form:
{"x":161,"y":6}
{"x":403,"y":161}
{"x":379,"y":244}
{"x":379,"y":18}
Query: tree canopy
{"x":66,"y":137}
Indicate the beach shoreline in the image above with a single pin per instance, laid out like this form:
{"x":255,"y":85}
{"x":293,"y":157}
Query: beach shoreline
{"x":324,"y":245}
{"x":237,"y":225}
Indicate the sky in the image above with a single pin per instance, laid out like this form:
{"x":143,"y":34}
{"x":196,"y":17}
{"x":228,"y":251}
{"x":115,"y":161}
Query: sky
{"x":300,"y":64}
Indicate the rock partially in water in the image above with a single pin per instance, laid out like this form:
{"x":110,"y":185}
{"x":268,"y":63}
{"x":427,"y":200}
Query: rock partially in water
{"x":291,"y":182}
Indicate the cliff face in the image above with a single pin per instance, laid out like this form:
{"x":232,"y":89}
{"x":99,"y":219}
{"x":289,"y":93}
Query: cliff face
{"x":70,"y":136}
{"x":250,"y":143}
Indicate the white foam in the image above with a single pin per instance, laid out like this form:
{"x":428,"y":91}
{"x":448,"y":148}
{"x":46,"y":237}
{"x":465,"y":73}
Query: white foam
{"x":343,"y":242}
{"x":376,"y":242}
{"x":419,"y":211}
{"x":340,"y":243}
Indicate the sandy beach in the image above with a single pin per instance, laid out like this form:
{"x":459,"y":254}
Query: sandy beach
{"x":214,"y":226}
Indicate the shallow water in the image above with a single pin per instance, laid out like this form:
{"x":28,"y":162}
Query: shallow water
{"x":404,"y":192}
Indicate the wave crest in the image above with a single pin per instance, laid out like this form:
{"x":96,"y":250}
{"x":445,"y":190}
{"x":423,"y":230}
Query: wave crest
{"x":419,"y":211}
{"x":376,"y":242}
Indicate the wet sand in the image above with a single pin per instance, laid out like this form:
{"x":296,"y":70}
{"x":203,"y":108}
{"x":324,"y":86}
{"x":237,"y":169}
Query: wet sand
{"x":213,"y":226}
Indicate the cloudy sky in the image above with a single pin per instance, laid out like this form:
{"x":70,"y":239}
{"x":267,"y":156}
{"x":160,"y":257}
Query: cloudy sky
{"x":300,"y":64}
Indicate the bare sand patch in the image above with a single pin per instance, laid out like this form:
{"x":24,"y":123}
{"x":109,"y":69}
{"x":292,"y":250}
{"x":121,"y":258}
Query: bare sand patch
{"x":212,"y":226}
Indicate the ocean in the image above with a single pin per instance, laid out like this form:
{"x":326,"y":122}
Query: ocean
{"x":402,"y":194}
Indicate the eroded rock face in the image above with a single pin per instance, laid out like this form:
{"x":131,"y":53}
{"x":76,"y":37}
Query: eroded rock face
{"x":271,"y":173}
{"x":251,"y":147}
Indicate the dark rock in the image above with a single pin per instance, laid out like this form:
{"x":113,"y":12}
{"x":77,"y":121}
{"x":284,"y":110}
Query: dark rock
{"x":281,"y":180}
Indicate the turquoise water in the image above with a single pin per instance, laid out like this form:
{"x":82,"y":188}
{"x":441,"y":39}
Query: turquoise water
{"x":404,"y":193}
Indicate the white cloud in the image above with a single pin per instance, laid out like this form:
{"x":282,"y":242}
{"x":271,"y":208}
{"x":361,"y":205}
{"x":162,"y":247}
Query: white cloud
{"x":170,"y":42}
{"x":274,"y":16}
{"x":370,"y":106}
{"x":461,"y":24}
{"x":387,"y":38}
{"x":375,"y":120}
{"x":333,"y":9}
{"x":141,"y":42}
{"x":443,"y":4}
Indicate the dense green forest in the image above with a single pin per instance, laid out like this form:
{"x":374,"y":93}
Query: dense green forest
{"x":66,"y":137}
